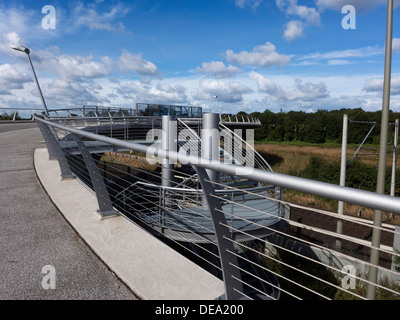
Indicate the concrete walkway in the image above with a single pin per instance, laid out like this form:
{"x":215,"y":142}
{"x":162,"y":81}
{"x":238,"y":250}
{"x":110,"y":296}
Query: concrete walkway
{"x":34,"y":234}
{"x":39,"y":228}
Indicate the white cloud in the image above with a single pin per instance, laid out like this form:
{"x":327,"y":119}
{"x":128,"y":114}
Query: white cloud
{"x":376,"y":85}
{"x":151,"y":92}
{"x":301,"y":91}
{"x":65,"y":66}
{"x":218,"y":69}
{"x":396,"y":45}
{"x":261,"y":56}
{"x":11,"y":79}
{"x":304,"y":16}
{"x":10,"y":39}
{"x":68,"y":80}
{"x":64,"y":93}
{"x":229,"y":92}
{"x":136,"y":64}
{"x":294,"y":29}
{"x":338,"y":62}
{"x":344,"y":54}
{"x":264,"y":84}
{"x":95,"y":20}
{"x":68,"y":67}
{"x":308,"y":14}
{"x":19,"y":20}
{"x":248,"y":3}
{"x":78,"y":68}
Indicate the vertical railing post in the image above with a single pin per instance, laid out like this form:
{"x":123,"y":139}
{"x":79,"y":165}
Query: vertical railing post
{"x":49,"y":138}
{"x":55,"y":150}
{"x":394,"y":162}
{"x":162,"y":201}
{"x":229,"y":262}
{"x":106,"y":209}
{"x":169,"y":143}
{"x":339,"y":224}
{"x":169,"y":134}
{"x":210,"y":137}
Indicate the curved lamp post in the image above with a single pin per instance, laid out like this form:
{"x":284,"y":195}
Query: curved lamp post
{"x":27,"y":51}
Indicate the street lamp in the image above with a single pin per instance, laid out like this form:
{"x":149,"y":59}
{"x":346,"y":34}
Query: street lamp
{"x":216,"y":99}
{"x":27,"y":51}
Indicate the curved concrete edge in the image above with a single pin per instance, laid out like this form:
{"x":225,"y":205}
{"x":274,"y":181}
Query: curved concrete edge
{"x":151,"y":269}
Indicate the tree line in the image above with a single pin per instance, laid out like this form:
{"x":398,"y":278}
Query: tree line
{"x":10,"y":116}
{"x":319,"y":127}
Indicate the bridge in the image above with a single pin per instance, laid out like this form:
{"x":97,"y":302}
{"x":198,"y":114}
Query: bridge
{"x":191,"y":197}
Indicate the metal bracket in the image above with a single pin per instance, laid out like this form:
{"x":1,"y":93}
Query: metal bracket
{"x":106,"y":209}
{"x":365,"y":139}
{"x":55,"y":150}
{"x":233,"y":287}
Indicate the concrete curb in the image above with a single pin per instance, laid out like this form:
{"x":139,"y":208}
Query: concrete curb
{"x":150,"y":268}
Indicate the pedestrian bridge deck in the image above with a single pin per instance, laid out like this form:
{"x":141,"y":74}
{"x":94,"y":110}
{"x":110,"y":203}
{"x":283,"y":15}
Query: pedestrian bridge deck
{"x":149,"y":267}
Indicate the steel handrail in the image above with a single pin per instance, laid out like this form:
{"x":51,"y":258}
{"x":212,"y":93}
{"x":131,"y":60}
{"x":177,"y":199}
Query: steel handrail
{"x":323,"y":189}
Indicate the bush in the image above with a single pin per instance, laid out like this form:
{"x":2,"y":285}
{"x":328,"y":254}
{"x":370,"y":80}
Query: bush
{"x":359,"y":175}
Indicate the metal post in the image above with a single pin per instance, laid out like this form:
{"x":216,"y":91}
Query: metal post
{"x":393,"y":180}
{"x":49,"y":138}
{"x":365,"y":139}
{"x":168,"y":143}
{"x":380,"y":186}
{"x":161,"y":204}
{"x":210,"y":141}
{"x":106,"y":209}
{"x":55,"y":151}
{"x":27,"y":51}
{"x":38,"y":86}
{"x":229,"y":262}
{"x":339,"y":225}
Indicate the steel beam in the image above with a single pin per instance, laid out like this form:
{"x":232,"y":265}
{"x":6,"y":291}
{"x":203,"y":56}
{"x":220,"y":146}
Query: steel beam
{"x":55,"y":150}
{"x":106,"y":209}
{"x":229,"y":262}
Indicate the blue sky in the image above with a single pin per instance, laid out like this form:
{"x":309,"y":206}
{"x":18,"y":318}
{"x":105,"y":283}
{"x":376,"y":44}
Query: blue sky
{"x":251,"y":54}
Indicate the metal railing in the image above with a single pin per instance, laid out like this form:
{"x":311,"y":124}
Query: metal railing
{"x":226,"y":118}
{"x":14,"y":114}
{"x":261,"y":246}
{"x":88,"y":111}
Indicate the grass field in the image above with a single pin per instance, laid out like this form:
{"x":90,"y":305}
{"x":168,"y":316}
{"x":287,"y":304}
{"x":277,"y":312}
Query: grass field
{"x":292,"y":159}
